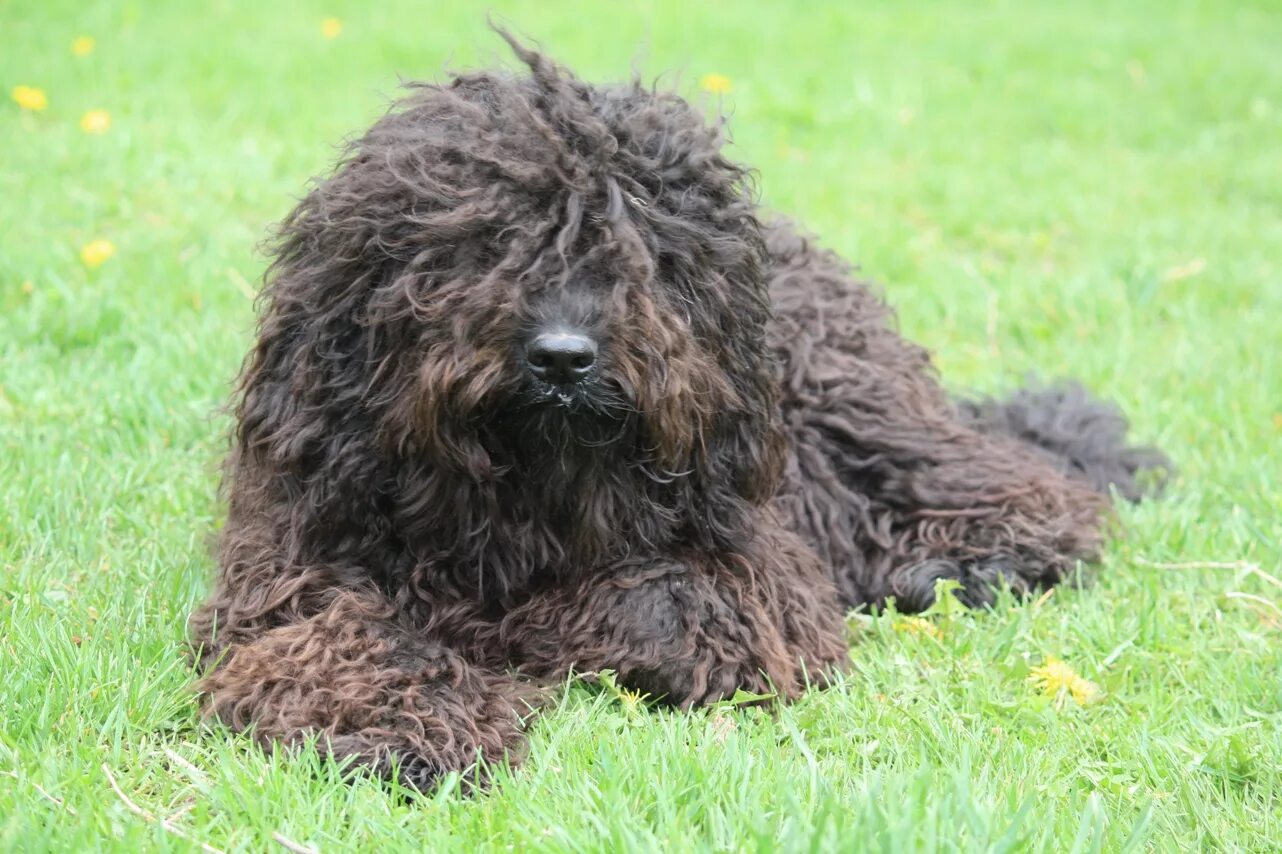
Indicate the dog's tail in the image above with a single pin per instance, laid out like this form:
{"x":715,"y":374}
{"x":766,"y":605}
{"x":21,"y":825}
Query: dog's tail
{"x":1082,"y":435}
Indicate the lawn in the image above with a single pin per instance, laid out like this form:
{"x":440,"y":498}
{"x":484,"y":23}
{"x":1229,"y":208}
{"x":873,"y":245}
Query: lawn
{"x":1082,"y":189}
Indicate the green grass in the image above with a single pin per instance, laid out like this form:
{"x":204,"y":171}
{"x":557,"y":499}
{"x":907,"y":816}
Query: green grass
{"x":1085,"y":189}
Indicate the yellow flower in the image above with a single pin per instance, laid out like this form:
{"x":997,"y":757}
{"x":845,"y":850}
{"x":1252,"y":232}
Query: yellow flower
{"x":82,"y":45}
{"x":29,"y":98}
{"x":331,"y":27}
{"x":1055,"y":678}
{"x":918,"y":626}
{"x":717,"y":84}
{"x":96,"y":252}
{"x":95,"y":121}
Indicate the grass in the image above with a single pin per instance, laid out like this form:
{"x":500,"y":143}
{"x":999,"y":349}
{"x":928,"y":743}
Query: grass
{"x":1087,"y":189}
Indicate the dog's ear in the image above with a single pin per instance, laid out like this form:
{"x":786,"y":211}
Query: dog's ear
{"x":755,"y":447}
{"x":738,"y":459}
{"x":740,"y":465}
{"x":300,"y":429}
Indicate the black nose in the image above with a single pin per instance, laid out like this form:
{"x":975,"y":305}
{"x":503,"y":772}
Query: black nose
{"x":561,"y":357}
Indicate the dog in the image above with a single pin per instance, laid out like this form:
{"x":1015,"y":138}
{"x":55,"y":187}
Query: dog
{"x":538,"y":388}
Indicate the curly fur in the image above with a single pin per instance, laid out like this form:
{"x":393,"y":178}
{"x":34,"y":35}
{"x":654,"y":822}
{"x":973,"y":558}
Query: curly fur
{"x":1079,"y":435}
{"x":419,"y":537}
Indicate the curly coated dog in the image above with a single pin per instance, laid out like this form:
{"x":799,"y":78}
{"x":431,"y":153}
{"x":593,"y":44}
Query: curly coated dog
{"x":538,"y":387}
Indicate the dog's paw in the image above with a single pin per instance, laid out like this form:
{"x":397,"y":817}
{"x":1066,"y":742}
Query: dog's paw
{"x":362,"y":753}
{"x":980,"y":579}
{"x":417,"y":773}
{"x":701,"y":649}
{"x":695,"y":680}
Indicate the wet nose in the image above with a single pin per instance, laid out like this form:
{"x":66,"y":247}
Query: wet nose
{"x":561,"y":357}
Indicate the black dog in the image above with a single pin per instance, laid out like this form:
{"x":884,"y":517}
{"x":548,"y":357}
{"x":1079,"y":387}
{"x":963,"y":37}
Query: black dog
{"x":536,"y":387}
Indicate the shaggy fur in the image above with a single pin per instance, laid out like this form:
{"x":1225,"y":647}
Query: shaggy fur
{"x":422,"y":533}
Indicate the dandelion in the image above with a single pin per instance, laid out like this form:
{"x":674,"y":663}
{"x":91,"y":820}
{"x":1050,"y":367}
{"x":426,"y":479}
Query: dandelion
{"x":331,"y":28}
{"x":95,"y":121}
{"x":96,"y":252}
{"x":29,"y":98}
{"x":918,"y":626}
{"x":717,"y":84}
{"x":28,"y":288}
{"x":1054,"y":678}
{"x":82,"y":45}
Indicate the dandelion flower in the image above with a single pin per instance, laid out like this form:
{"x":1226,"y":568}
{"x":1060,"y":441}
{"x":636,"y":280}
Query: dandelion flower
{"x":82,"y":45}
{"x":96,"y":252}
{"x":95,"y":121}
{"x":331,"y":28}
{"x":918,"y":626}
{"x":717,"y":84}
{"x":29,"y":98}
{"x":1054,"y":678}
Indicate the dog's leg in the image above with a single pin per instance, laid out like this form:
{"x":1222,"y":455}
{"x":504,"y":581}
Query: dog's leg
{"x":691,"y":630}
{"x":902,"y":504}
{"x":892,"y":486}
{"x":368,"y":690}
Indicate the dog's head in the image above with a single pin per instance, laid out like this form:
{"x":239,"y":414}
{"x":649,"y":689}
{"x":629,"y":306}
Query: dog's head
{"x":549,"y":291}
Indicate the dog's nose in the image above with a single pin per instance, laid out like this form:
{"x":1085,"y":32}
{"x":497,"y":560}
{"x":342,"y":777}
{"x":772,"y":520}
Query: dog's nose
{"x":561,"y":357}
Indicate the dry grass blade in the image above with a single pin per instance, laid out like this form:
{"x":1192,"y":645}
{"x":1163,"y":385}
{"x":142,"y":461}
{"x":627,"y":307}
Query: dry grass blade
{"x":287,"y":843}
{"x":165,"y":824}
{"x":1258,"y":600}
{"x":53,"y":799}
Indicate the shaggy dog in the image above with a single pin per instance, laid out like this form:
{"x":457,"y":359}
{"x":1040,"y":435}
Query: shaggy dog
{"x":537,"y":387}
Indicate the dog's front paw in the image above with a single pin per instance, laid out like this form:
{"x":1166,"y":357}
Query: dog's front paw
{"x":980,"y":578}
{"x":694,"y":649}
{"x":424,"y":775}
{"x":696,"y":680}
{"x":359,"y":753}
